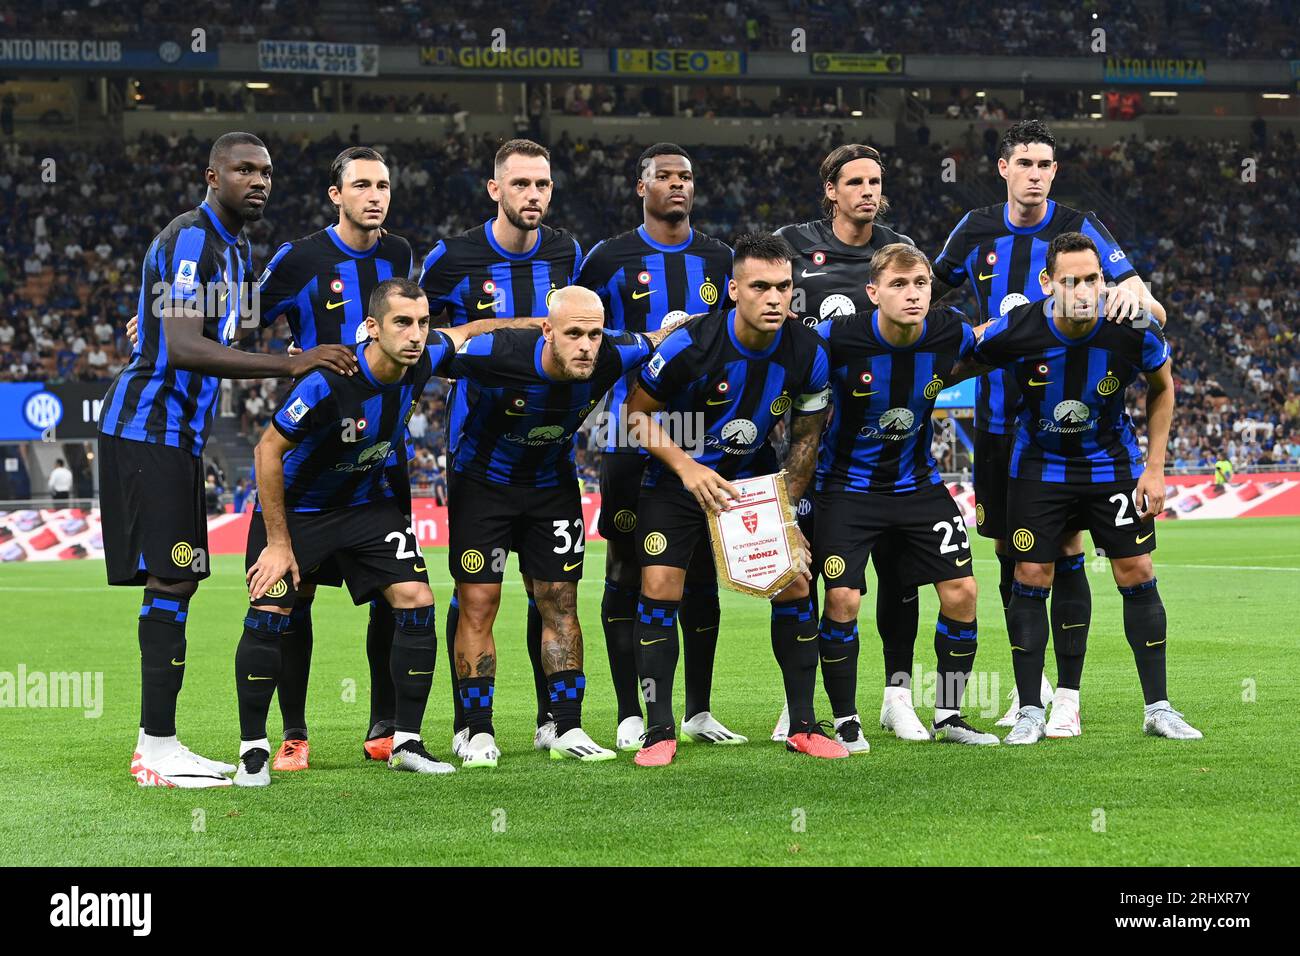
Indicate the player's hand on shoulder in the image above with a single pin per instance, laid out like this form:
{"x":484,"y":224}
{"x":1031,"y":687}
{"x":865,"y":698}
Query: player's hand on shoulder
{"x":711,"y":490}
{"x":336,"y":358}
{"x":1123,"y":304}
{"x":275,"y":561}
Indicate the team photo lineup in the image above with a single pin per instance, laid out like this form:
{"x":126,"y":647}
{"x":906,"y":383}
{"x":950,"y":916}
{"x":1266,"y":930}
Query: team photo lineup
{"x":814,"y":353}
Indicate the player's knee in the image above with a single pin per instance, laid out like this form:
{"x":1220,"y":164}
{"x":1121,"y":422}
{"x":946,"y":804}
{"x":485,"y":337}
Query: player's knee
{"x":626,"y":574}
{"x":478,"y":605}
{"x":408,"y":594}
{"x":843,"y":604}
{"x":958,"y":599}
{"x":797,"y":590}
{"x":1035,"y":575}
{"x":662,"y":583}
{"x":1133,"y":571}
{"x":184,"y":589}
{"x":556,"y":600}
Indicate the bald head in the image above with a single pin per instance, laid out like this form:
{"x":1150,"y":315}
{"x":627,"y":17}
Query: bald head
{"x":573,"y":330}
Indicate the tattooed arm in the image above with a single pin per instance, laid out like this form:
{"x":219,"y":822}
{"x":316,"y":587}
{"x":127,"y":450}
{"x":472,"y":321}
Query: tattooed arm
{"x":805,"y":436}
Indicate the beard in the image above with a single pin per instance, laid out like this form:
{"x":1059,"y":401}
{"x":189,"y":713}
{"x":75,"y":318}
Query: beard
{"x":252,"y":213}
{"x":675,"y":214}
{"x":515,"y":219}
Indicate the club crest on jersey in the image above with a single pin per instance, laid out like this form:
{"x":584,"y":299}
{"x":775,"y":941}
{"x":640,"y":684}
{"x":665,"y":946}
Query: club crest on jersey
{"x":1108,"y":385}
{"x":780,"y":405}
{"x":933,"y":388}
{"x":549,"y":295}
{"x":1010,"y":302}
{"x":297,"y":411}
{"x":643,"y":278}
{"x":750,"y":521}
{"x":819,"y":258}
{"x":186,"y":274}
{"x":837,"y":304}
{"x":991,"y":258}
{"x":336,"y":285}
{"x":708,"y":292}
{"x":1068,"y":418}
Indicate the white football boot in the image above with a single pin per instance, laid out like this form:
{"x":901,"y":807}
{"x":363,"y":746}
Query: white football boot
{"x":480,"y":751}
{"x":1162,"y":720}
{"x":1064,"y":721}
{"x":704,"y":728}
{"x":411,"y":757}
{"x":629,"y":733}
{"x":782,"y":728}
{"x":174,"y":767}
{"x":576,"y":745}
{"x":898,"y":714}
{"x":1009,"y":718}
{"x":254,"y":768}
{"x":1030,"y":727}
{"x":848,"y":731}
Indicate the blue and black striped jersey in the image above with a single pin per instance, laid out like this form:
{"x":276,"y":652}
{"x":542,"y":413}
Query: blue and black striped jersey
{"x":471,"y":277}
{"x":702,"y":372}
{"x":878,"y":438}
{"x":518,"y":423}
{"x":322,"y":286}
{"x":642,"y":283}
{"x":194,"y":261}
{"x":1003,"y":263}
{"x":347,"y":429}
{"x":1072,"y":426}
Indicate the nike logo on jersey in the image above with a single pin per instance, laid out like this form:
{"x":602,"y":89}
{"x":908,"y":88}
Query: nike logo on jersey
{"x":251,"y":677}
{"x":985,"y":278}
{"x":420,"y":568}
{"x":335,"y":305}
{"x":1145,"y":536}
{"x":641,"y":295}
{"x":509,"y":412}
{"x":490,"y":304}
{"x":963,"y":562}
{"x":1034,"y":381}
{"x":657,"y":640}
{"x":857,"y":394}
{"x":570,"y":567}
{"x":717,"y":401}
{"x":805,"y":274}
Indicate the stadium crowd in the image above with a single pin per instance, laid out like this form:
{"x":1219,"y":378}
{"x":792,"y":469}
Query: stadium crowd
{"x":69,"y":273}
{"x":1250,"y":28}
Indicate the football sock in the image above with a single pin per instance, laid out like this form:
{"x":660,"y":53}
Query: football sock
{"x":162,"y":660}
{"x":257,"y":669}
{"x":838,"y":648}
{"x":540,"y":689}
{"x":1006,"y":577}
{"x":411,"y":663}
{"x":564,"y":690}
{"x":476,"y":700}
{"x":794,"y":642}
{"x":1145,"y":627}
{"x":1071,"y":611}
{"x":453,"y":616}
{"x":1027,"y":624}
{"x":656,"y":657}
{"x":955,"y":644}
{"x":897,"y":620}
{"x":400,"y":737}
{"x":700,"y":615}
{"x":295,"y":666}
{"x":618,"y":617}
{"x":246,"y":745}
{"x":379,"y":645}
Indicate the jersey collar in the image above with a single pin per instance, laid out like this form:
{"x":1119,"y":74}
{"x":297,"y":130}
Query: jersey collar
{"x":1049,"y":305}
{"x":216,"y":224}
{"x":681,"y":246}
{"x":496,"y":246}
{"x":750,"y":353}
{"x":875,"y":330}
{"x":348,"y":250}
{"x":1027,"y":230}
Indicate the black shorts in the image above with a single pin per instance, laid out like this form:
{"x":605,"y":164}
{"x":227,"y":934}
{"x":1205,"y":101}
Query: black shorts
{"x":885,"y":555}
{"x":153,"y":514}
{"x":486,"y":521}
{"x":1040,"y":512}
{"x":371,"y":546}
{"x":927,"y":532}
{"x":671,"y":528}
{"x":992,"y":462}
{"x":620,"y":489}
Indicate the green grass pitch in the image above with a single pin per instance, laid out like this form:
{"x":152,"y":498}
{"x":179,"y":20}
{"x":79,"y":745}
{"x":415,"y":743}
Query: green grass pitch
{"x":1110,"y":797}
